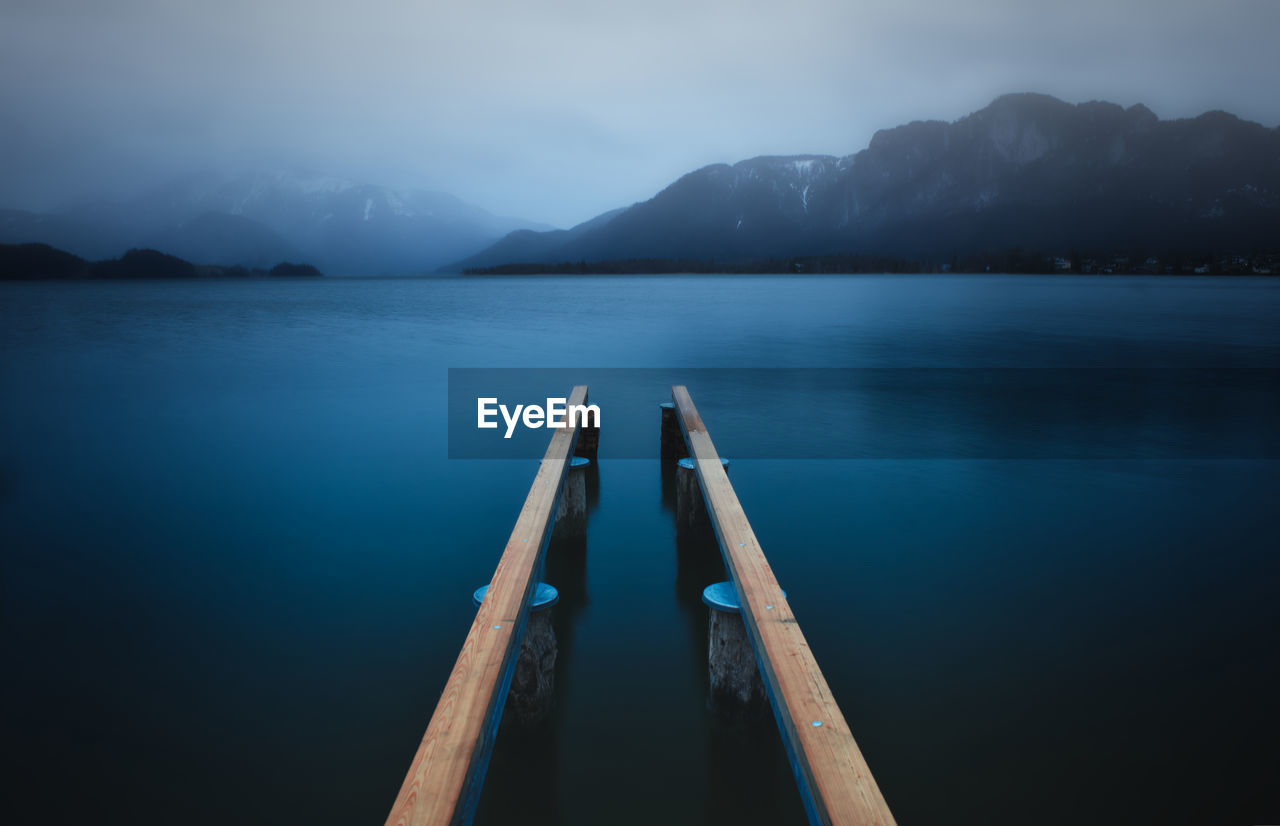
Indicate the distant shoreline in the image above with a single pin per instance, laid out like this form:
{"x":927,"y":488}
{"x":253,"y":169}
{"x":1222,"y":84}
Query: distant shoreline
{"x":41,"y":262}
{"x":1010,"y":262}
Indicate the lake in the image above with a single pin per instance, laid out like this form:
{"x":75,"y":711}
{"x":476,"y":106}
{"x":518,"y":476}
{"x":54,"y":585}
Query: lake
{"x":237,"y":558}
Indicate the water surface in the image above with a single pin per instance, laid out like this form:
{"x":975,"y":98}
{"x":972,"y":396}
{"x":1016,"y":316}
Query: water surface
{"x":237,"y":563}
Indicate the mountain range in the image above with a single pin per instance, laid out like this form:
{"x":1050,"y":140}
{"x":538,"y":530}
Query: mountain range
{"x":1027,"y":171}
{"x":259,"y":219}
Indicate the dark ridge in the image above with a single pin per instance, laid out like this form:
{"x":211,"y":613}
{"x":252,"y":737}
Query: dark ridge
{"x":42,"y":262}
{"x":286,"y":268}
{"x":144,"y":264}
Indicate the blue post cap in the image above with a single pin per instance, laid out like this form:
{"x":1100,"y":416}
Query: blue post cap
{"x":687,"y":464}
{"x":667,"y":405}
{"x":544,"y":596}
{"x":722,"y":596}
{"x":579,"y":461}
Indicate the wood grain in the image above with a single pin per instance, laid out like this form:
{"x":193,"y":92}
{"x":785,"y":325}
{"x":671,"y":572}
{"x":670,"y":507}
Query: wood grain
{"x":443,"y":781}
{"x":834,"y":776}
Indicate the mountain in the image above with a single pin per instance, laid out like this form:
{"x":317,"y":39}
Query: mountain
{"x":529,"y":245}
{"x":360,"y":229}
{"x":343,"y":227}
{"x":225,"y":240}
{"x":1027,"y":171}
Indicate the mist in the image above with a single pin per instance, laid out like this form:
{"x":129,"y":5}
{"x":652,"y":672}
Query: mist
{"x":558,"y":111}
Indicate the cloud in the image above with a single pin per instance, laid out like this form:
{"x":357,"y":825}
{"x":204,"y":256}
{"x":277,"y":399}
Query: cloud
{"x":559,"y":110}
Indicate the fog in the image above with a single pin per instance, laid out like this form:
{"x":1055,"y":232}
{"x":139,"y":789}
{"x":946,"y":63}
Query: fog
{"x":556,"y":111}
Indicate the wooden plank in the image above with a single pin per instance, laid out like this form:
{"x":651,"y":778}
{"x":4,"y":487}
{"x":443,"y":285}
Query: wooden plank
{"x":444,"y":779}
{"x":833,"y":775}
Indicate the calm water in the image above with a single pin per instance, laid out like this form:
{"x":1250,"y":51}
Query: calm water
{"x":237,"y":562}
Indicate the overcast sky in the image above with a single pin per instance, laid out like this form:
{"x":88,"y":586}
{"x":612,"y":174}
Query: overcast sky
{"x":557,"y":111}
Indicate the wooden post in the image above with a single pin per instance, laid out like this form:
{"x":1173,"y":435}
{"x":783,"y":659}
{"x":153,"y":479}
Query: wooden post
{"x":588,"y":437}
{"x":691,"y":512}
{"x":532,"y":694}
{"x":571,"y":518}
{"x":736,"y":686}
{"x":673,"y":446}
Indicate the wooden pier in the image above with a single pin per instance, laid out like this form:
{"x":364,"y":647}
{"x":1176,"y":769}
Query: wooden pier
{"x":444,"y":780}
{"x":834,"y":778}
{"x":446,"y":775}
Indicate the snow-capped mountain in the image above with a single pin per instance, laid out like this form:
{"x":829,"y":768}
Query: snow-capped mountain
{"x":1027,"y":171}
